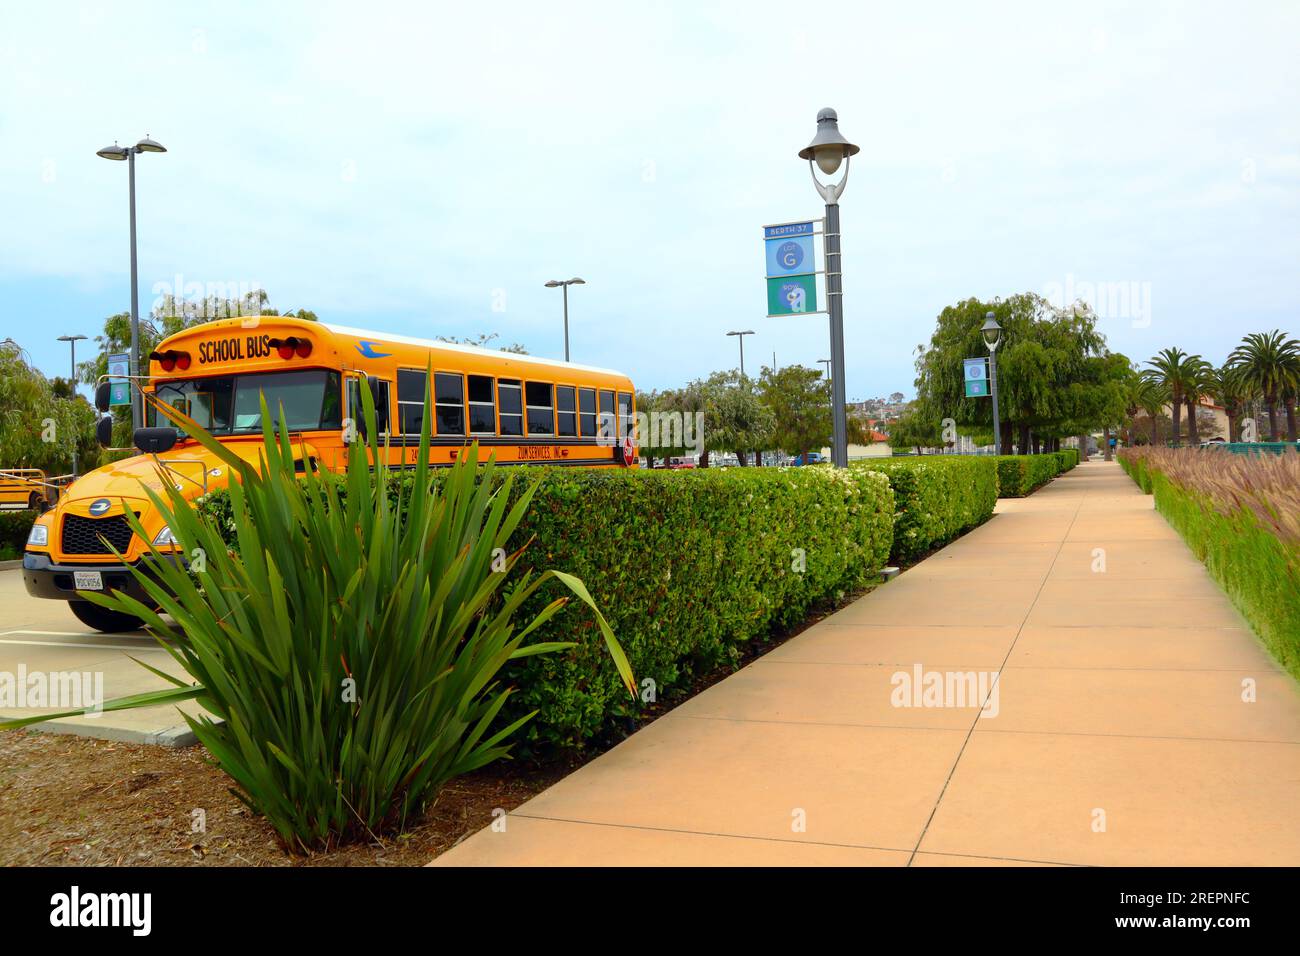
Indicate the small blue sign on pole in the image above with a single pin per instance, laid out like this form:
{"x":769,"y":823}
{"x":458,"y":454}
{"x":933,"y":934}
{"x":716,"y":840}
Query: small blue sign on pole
{"x":788,"y":229}
{"x":119,"y":389}
{"x":790,"y":257}
{"x":975,"y":371}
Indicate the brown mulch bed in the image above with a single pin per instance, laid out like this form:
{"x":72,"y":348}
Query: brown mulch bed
{"x":77,"y":801}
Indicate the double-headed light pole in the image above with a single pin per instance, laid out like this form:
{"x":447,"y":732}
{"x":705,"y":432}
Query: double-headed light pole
{"x":827,"y":151}
{"x":564,"y":284}
{"x":72,"y":341}
{"x":992,"y":336}
{"x":119,"y":153}
{"x":741,"y":337}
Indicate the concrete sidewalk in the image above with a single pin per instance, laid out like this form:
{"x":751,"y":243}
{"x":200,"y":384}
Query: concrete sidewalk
{"x":1117,"y":732}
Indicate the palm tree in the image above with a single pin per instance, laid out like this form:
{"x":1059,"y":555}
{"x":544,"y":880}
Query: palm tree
{"x":1231,"y":391}
{"x":1175,"y":370}
{"x":1199,"y":383}
{"x":1152,"y":397}
{"x":1270,"y":363}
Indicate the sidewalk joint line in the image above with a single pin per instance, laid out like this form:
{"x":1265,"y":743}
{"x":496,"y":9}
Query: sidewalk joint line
{"x":975,"y":722}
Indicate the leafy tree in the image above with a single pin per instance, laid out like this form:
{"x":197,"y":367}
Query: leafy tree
{"x":483,"y":341}
{"x":798,"y":399}
{"x":39,"y":425}
{"x":915,"y":430}
{"x":1056,"y":377}
{"x":735,"y":418}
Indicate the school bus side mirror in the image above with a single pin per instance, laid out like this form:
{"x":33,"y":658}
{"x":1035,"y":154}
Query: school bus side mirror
{"x":102,"y":394}
{"x":155,"y":441}
{"x":104,"y":431}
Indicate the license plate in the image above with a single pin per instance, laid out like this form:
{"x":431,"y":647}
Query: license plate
{"x":88,"y":580}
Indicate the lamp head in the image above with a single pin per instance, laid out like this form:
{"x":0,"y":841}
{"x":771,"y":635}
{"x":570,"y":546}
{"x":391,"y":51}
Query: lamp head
{"x":991,"y":330}
{"x":828,"y":148}
{"x":114,"y":152}
{"x":147,"y":145}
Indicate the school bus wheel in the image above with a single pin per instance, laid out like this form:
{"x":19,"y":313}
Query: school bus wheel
{"x":102,"y":619}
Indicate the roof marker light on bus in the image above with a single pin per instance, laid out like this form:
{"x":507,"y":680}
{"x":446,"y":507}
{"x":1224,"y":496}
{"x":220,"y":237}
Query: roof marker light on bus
{"x":304,"y":348}
{"x":285,"y":347}
{"x":167,"y":360}
{"x":182,"y":360}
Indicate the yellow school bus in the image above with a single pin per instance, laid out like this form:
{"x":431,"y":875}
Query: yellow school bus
{"x":24,"y":488}
{"x":522,"y":409}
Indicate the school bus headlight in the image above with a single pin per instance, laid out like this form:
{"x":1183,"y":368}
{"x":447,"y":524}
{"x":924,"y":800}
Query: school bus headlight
{"x":39,"y":536}
{"x":165,"y":539}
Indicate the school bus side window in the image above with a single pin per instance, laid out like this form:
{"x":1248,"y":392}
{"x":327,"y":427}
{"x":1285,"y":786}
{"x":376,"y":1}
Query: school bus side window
{"x":356,"y":411}
{"x":587,"y":411}
{"x":510,"y":396}
{"x":540,"y":401}
{"x":449,"y":393}
{"x":566,"y":414}
{"x":410,"y":400}
{"x":624,"y":414}
{"x":482,"y":410}
{"x":606,"y":428}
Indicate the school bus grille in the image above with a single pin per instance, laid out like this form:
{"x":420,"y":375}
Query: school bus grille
{"x":82,"y":535}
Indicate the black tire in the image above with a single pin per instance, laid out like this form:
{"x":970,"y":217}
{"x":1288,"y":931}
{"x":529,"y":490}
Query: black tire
{"x":102,"y":619}
{"x":34,"y":502}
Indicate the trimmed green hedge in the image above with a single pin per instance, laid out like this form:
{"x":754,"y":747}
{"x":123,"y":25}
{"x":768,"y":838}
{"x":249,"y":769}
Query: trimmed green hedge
{"x":1021,"y":475}
{"x":14,"y":528}
{"x":936,"y":498}
{"x":687,"y":566}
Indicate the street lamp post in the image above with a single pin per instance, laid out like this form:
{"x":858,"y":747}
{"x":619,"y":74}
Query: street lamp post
{"x":828,"y":150}
{"x":741,"y":337}
{"x":119,"y":153}
{"x":564,"y":284}
{"x":72,"y":341}
{"x":992,"y":336}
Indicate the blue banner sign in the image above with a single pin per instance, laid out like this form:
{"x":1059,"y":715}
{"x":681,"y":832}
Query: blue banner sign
{"x":790,"y":257}
{"x":787,"y":230}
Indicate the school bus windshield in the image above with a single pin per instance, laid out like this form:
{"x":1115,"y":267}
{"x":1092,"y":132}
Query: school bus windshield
{"x":231,"y":404}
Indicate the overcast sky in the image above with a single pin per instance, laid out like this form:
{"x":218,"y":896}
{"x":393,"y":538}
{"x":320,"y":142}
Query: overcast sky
{"x":425,"y":168}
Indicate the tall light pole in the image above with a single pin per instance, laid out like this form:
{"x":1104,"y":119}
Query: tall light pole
{"x":828,"y":150}
{"x":72,"y":341}
{"x":119,"y":153}
{"x":992,"y":336}
{"x":564,"y":284}
{"x":741,"y":337}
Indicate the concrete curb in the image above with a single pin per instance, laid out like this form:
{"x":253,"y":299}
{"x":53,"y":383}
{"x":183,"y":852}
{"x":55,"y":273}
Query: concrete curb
{"x":177,"y":736}
{"x":11,"y":565}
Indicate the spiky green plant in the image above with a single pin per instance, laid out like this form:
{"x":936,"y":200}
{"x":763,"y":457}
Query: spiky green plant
{"x":350,"y":659}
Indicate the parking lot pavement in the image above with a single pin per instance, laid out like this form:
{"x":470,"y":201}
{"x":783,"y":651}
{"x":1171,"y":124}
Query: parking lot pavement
{"x":40,"y":638}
